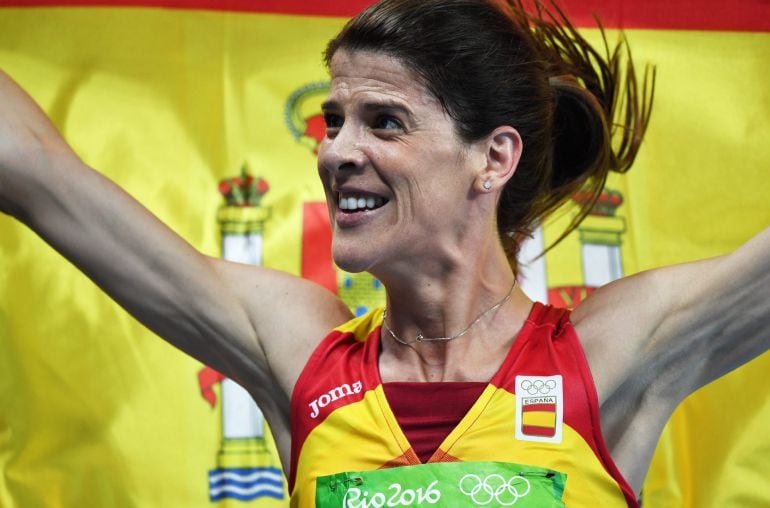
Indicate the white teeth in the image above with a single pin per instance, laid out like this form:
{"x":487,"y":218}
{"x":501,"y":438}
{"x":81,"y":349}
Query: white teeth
{"x":360,"y":203}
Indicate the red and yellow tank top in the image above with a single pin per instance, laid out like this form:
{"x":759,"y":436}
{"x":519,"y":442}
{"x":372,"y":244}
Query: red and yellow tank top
{"x":533,"y":433}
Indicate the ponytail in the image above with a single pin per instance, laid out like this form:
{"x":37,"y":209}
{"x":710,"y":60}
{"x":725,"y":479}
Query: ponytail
{"x":600,"y":115}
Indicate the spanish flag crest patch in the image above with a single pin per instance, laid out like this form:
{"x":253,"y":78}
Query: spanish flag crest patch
{"x":539,"y":408}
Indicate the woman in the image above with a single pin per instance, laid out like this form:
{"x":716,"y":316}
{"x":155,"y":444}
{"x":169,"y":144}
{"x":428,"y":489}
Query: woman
{"x":451,"y":129}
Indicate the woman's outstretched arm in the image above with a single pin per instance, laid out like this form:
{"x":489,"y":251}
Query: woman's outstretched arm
{"x":688,"y":324}
{"x":654,"y":338}
{"x":239,"y":319}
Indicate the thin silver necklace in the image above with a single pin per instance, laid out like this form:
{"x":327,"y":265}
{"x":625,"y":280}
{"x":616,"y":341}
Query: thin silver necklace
{"x":421,"y":338}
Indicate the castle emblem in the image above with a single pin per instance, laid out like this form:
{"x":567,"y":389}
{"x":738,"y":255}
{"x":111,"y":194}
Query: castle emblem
{"x":245,"y":469}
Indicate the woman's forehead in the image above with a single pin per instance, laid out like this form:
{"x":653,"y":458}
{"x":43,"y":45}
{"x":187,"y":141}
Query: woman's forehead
{"x":372,"y":73}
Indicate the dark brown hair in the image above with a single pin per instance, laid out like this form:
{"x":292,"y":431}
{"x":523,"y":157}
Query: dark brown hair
{"x":580,"y":113}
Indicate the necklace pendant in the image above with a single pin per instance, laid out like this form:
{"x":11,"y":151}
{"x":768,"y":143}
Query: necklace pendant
{"x":419,"y":337}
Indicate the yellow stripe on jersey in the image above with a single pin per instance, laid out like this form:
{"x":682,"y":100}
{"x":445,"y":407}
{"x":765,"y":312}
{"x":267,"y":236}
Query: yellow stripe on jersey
{"x":362,"y":326}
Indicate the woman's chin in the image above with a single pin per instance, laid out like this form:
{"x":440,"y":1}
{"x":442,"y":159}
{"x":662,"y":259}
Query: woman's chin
{"x":350,"y":260}
{"x":350,"y":265}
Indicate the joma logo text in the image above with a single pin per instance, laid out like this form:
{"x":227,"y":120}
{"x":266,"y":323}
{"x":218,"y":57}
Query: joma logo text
{"x":344,"y":390}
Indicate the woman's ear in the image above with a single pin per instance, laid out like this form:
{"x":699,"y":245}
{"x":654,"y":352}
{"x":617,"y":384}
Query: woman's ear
{"x":503,"y":150}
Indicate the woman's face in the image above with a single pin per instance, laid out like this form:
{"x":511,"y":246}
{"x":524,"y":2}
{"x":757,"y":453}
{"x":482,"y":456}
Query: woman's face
{"x":398,"y":179}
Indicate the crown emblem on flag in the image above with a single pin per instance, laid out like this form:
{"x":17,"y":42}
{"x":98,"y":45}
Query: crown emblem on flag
{"x":243,"y":190}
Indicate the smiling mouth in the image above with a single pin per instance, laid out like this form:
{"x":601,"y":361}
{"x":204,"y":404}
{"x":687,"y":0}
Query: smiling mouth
{"x":351,"y":203}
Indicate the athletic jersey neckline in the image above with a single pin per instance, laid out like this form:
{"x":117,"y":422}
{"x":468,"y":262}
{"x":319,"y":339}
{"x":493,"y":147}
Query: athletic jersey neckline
{"x":373,"y":344}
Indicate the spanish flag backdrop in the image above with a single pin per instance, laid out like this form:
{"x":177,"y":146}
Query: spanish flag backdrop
{"x":208,"y":113}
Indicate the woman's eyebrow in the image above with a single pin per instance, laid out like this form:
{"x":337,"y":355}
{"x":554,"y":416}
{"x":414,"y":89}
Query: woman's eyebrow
{"x":390,"y":106}
{"x":372,"y":107}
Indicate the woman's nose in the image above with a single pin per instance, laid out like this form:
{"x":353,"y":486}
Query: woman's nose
{"x":343,"y":151}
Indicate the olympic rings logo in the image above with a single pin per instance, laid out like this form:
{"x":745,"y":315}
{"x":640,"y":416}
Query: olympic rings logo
{"x":538,"y":386}
{"x":494,"y":488}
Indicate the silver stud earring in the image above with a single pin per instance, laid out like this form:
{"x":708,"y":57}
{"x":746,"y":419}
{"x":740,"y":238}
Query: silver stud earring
{"x":487,"y":185}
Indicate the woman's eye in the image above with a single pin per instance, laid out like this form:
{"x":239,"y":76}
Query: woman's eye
{"x":387,"y":123}
{"x":332,"y":121}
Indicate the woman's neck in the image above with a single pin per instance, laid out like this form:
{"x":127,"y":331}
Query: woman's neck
{"x":443,"y":301}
